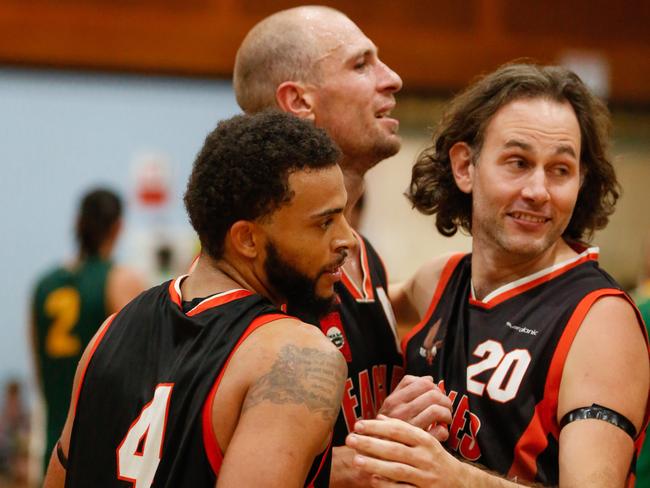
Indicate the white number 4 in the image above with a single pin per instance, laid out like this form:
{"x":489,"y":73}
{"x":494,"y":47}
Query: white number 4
{"x":139,"y":453}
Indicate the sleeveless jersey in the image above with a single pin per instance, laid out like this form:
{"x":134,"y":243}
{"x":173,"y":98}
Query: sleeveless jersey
{"x":69,"y":306}
{"x":362,"y":327}
{"x":500,"y":360}
{"x":144,"y":407}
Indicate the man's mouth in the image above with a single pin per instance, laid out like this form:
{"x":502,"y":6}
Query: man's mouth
{"x":385,"y":111}
{"x":335,"y":268}
{"x":527,"y":217}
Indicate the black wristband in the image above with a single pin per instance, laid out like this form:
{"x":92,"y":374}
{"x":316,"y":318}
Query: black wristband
{"x":599,"y":412}
{"x":59,"y":454}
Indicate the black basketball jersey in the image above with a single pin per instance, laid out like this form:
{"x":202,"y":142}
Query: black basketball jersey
{"x":500,"y":360}
{"x":144,"y":407}
{"x":362,"y":326}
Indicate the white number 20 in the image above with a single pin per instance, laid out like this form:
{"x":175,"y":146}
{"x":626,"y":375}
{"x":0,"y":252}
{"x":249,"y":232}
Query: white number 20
{"x":515,"y":362}
{"x":139,"y":453}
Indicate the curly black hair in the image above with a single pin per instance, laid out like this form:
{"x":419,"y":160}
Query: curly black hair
{"x":433,"y":189}
{"x":98,"y":211}
{"x":242,"y":171}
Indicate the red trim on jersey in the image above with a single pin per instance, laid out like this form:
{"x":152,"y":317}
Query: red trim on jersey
{"x":322,"y":462}
{"x":216,"y":300}
{"x":502,"y":297}
{"x":544,"y":422}
{"x":210,"y":442}
{"x":90,"y":355}
{"x":208,"y":303}
{"x":445,"y":275}
{"x":173,"y":293}
{"x":367,"y":292}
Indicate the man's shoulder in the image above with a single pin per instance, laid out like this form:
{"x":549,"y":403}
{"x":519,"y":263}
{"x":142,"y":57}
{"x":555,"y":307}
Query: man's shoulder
{"x":286,"y":330}
{"x":437,"y":270}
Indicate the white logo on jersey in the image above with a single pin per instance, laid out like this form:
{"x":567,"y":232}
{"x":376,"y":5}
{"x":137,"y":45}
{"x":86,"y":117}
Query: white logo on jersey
{"x":336,"y":336}
{"x":523,"y":330}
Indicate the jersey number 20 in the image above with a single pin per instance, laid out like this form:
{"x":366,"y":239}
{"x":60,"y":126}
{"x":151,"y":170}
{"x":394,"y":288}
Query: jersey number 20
{"x":139,"y":453}
{"x":500,"y":387}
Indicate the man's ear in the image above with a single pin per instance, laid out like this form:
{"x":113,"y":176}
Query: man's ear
{"x":295,"y":98}
{"x":244,"y":239}
{"x":462,"y":166}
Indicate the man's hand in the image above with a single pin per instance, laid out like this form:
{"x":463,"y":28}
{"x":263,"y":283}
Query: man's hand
{"x":418,"y":401}
{"x":396,"y":452}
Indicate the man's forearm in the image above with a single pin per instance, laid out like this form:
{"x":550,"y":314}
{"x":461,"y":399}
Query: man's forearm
{"x":343,"y":473}
{"x":477,"y":476}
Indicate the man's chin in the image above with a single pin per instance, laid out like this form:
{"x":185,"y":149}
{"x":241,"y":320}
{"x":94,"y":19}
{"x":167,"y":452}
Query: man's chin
{"x":316,"y":306}
{"x":389,"y":146}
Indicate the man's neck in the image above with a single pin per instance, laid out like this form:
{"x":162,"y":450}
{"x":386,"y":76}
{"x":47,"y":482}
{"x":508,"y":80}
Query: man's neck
{"x":215,"y":276}
{"x":493,"y":268}
{"x":354,"y":185}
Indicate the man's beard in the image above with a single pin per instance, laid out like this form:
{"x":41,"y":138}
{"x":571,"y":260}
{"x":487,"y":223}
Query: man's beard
{"x":297,"y":288}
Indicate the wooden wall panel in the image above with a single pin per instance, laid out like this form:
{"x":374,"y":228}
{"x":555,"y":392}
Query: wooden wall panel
{"x":435,"y":45}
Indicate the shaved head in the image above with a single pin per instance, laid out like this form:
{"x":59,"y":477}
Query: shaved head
{"x":285,"y":46}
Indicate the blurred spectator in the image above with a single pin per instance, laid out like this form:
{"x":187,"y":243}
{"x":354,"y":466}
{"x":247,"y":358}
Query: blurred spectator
{"x":14,"y":434}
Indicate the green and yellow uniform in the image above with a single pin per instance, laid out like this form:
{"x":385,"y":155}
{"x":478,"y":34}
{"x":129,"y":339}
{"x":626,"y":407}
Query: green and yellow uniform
{"x":69,"y":306}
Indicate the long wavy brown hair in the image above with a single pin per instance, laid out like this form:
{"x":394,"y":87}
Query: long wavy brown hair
{"x":433,"y":189}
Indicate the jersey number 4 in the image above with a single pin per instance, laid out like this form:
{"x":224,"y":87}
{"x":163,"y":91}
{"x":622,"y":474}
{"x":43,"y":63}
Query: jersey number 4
{"x":139,"y":453}
{"x":509,"y":370}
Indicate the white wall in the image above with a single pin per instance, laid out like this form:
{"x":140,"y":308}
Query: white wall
{"x":60,"y":134}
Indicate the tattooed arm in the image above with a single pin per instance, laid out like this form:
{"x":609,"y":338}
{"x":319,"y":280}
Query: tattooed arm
{"x":294,"y":378}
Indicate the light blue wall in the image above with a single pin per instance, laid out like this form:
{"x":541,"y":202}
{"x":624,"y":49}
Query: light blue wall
{"x":61,"y":133}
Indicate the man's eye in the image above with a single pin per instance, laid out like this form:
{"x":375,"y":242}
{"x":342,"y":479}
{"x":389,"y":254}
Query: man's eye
{"x":560,"y":171}
{"x":518,"y":163}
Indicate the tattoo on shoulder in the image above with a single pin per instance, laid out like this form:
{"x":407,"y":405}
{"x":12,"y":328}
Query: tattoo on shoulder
{"x":301,"y":375}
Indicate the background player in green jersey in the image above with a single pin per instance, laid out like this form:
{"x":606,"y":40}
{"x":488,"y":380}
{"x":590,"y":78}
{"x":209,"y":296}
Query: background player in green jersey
{"x":72,"y":300}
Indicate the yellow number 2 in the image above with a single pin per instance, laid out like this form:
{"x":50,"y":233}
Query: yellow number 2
{"x":62,"y":305}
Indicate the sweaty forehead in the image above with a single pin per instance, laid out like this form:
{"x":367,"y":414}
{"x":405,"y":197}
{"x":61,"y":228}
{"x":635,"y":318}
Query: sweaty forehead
{"x":337,"y":37}
{"x":537,"y":122}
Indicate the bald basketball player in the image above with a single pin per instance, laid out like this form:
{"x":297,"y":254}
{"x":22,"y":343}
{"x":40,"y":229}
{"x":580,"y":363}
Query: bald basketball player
{"x":315,"y":63}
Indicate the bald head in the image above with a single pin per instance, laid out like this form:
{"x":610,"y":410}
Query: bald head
{"x":285,"y":46}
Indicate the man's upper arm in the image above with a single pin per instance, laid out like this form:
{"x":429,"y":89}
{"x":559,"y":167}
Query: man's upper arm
{"x":607,"y":364}
{"x":288,"y":411}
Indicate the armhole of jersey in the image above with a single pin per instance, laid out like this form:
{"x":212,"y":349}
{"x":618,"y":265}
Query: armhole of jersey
{"x":210,"y":443}
{"x":534,"y":439}
{"x":90,"y":357}
{"x":324,"y":457}
{"x":445,"y":275}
